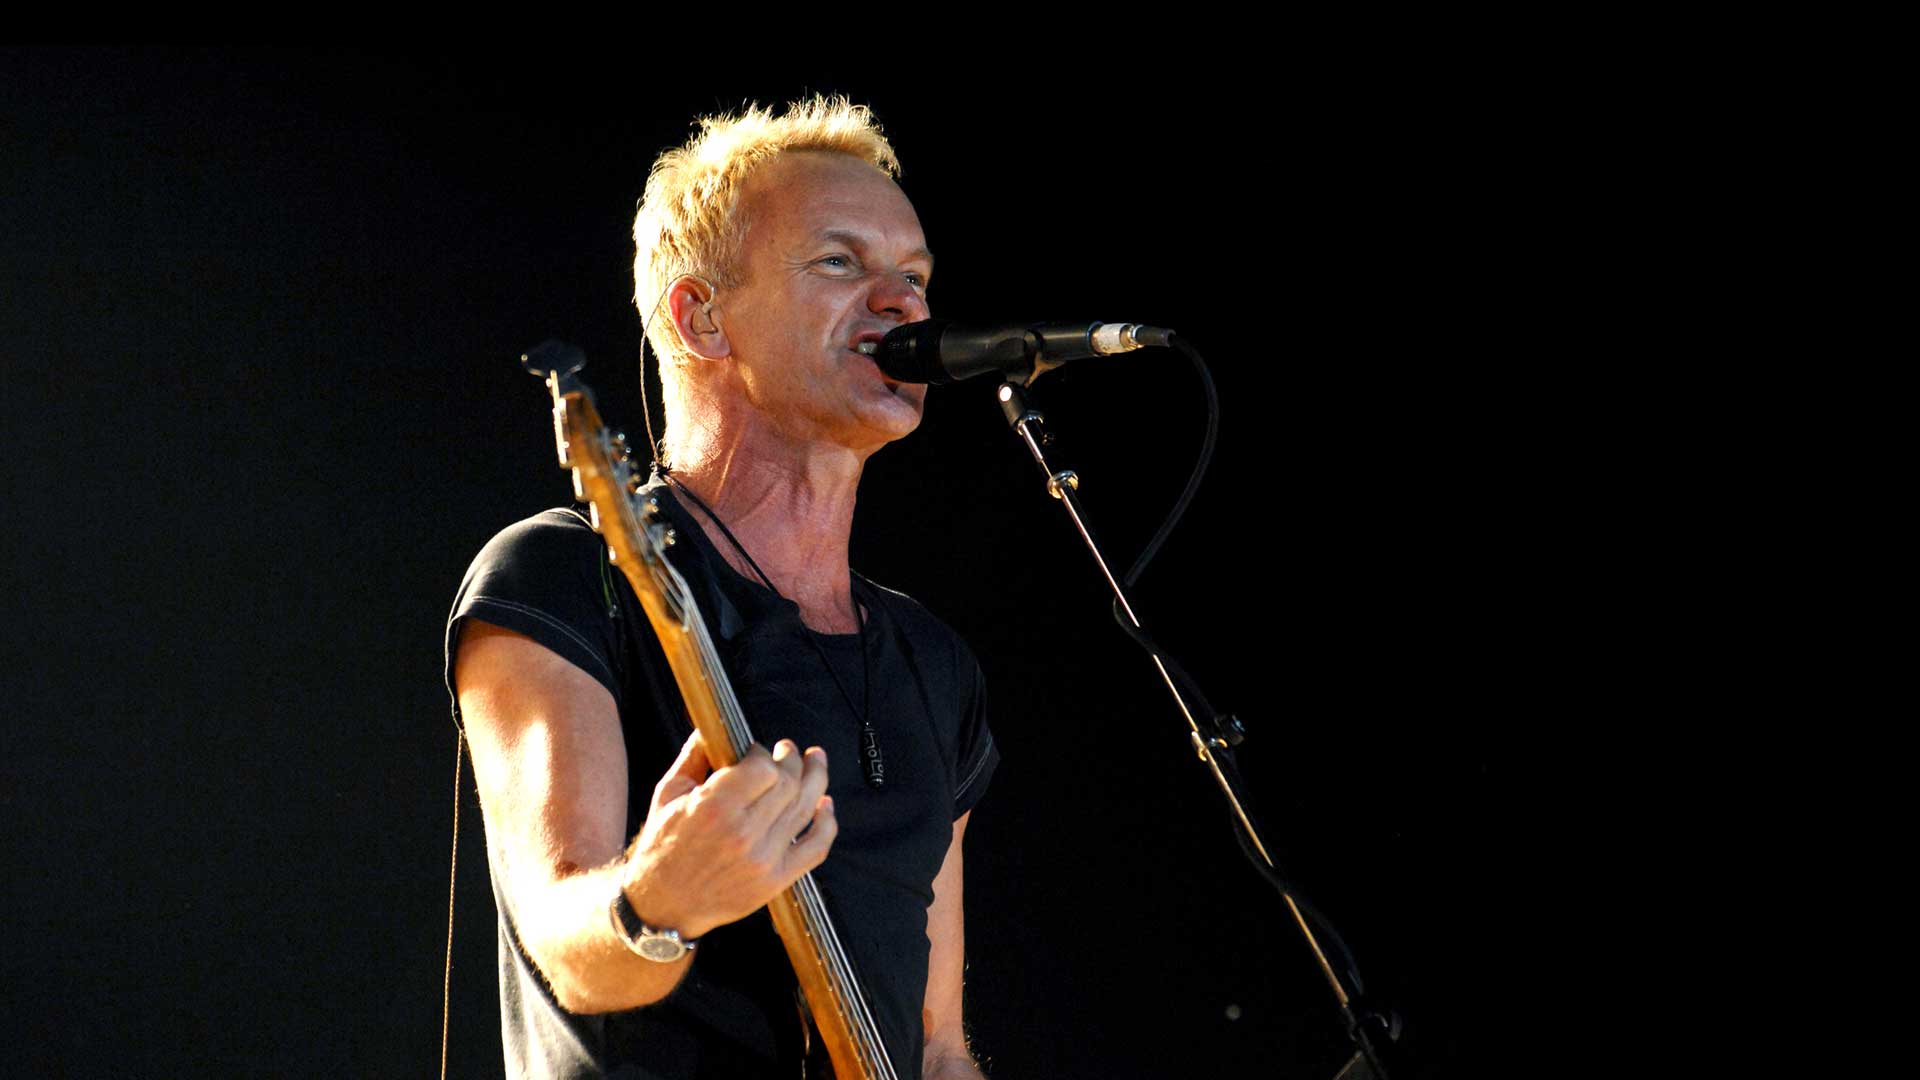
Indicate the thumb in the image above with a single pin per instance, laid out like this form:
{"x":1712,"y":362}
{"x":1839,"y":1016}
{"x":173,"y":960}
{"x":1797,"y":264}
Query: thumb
{"x":687,"y":772}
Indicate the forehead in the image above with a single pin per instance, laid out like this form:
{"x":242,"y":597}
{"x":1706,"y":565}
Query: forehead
{"x":802,"y":194}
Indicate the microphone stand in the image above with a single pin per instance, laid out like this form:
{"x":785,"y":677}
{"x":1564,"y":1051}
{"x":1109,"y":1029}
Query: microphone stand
{"x":1213,"y":739}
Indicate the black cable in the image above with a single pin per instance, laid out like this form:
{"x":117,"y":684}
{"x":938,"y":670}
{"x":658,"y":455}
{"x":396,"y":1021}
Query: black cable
{"x":1323,"y":927}
{"x":1207,"y":442}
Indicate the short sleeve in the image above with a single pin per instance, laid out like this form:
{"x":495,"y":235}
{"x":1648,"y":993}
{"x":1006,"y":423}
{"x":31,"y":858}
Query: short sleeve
{"x":546,"y":577}
{"x":978,"y":756}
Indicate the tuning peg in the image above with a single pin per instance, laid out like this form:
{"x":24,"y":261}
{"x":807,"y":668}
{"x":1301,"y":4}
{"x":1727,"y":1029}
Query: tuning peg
{"x":552,"y":356}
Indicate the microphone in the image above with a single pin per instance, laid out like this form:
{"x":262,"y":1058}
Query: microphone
{"x":938,"y":351}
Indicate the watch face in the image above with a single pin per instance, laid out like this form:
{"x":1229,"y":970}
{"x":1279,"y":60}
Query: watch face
{"x":661,"y":948}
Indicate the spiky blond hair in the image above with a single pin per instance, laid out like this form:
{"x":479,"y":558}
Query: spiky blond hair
{"x":690,"y":221}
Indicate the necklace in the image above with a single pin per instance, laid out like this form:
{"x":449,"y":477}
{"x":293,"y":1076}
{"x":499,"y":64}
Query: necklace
{"x":871,"y":759}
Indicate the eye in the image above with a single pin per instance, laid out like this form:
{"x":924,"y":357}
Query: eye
{"x":917,"y":280}
{"x":836,"y":262}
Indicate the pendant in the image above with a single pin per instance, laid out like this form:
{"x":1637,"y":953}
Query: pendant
{"x":870,"y":756}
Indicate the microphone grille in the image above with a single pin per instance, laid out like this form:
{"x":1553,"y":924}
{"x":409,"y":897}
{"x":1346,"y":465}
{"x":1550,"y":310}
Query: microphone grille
{"x":911,"y":352}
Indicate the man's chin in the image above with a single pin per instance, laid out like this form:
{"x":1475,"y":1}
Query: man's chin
{"x":914,"y":394}
{"x":900,"y":412}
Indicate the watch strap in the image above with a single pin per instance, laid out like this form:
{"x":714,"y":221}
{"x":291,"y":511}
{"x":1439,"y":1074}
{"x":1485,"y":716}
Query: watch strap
{"x":651,"y":942}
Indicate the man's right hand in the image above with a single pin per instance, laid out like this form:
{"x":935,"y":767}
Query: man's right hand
{"x":719,"y":844}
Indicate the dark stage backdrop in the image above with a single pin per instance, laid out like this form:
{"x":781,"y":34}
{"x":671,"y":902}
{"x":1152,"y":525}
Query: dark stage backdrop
{"x":258,"y":319}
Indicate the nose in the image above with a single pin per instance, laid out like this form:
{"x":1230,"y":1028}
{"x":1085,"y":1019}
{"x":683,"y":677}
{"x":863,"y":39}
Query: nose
{"x":894,"y":295}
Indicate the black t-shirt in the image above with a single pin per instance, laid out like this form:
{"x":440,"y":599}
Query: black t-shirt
{"x":734,"y":1015}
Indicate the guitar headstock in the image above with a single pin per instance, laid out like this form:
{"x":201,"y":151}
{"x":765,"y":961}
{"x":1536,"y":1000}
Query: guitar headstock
{"x":606,"y":474}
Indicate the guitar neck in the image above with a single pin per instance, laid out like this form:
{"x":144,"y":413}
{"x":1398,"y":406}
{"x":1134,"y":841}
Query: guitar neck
{"x":826,"y":979}
{"x":637,"y":536}
{"x":820,"y":962}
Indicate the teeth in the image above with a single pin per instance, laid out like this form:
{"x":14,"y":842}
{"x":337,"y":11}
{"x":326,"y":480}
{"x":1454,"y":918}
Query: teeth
{"x":867,"y":348}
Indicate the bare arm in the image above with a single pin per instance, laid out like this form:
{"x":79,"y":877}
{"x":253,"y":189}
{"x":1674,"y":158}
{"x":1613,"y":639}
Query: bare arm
{"x":947,"y":1056}
{"x":550,"y":762}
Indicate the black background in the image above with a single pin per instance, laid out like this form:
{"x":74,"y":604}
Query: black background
{"x":258,"y":322}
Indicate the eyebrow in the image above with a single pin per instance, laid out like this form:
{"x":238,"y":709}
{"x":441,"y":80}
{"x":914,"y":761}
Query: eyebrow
{"x":854,"y":240}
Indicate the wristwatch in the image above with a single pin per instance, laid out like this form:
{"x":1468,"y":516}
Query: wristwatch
{"x":665,"y":946}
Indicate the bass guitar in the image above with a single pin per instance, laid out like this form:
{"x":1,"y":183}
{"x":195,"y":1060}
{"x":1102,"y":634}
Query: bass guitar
{"x":637,"y":536}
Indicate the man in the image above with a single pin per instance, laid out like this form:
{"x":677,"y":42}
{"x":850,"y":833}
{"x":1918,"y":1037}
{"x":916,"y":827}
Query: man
{"x":773,"y":249}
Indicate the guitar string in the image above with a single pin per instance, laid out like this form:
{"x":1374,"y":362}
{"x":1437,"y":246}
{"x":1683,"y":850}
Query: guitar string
{"x":813,"y":906}
{"x":813,"y":910}
{"x":812,"y":903}
{"x":864,"y":1027}
{"x":820,"y":925}
{"x":855,"y":1000}
{"x":871,"y":759}
{"x":868,"y":1045}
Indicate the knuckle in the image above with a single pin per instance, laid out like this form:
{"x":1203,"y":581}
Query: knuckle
{"x":720,"y":816}
{"x":712,"y":798}
{"x":764,"y":866}
{"x":734,"y":844}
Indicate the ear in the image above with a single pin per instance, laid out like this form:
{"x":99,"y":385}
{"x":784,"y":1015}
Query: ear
{"x":690,"y":305}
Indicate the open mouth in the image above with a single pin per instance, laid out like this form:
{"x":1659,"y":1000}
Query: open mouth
{"x":870,"y":348}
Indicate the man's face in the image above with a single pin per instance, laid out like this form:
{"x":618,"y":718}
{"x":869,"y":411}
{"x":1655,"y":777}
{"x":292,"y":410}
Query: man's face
{"x":833,"y":256}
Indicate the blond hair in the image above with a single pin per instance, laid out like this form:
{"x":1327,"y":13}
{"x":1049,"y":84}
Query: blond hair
{"x":690,"y":222}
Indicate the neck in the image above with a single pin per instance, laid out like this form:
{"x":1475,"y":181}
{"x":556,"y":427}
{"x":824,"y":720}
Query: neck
{"x":790,"y":504}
